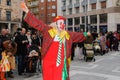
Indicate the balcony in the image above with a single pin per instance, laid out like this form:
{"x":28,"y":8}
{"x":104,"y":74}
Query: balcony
{"x":76,"y":4}
{"x":84,"y":3}
{"x":93,"y":1}
{"x":63,"y":7}
{"x":70,"y":6}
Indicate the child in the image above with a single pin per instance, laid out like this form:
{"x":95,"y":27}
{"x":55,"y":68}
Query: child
{"x":4,"y":65}
{"x":32,"y":59}
{"x":10,"y":47}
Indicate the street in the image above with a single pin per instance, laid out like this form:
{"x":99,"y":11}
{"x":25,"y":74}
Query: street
{"x":106,"y":67}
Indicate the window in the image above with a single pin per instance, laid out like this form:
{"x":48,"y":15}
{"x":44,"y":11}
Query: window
{"x":42,"y":1}
{"x":42,"y":8}
{"x":77,"y":20}
{"x":86,"y":19}
{"x":48,"y":14}
{"x":9,"y":2}
{"x":48,"y":7}
{"x":64,"y":13}
{"x":103,"y":4}
{"x":77,"y":10}
{"x":93,"y":19}
{"x":70,"y":11}
{"x":83,"y":19}
{"x":85,"y":8}
{"x":64,"y":3}
{"x":0,"y":1}
{"x":53,"y":14}
{"x":53,"y":6}
{"x":70,"y":21}
{"x":42,"y":15}
{"x":93,"y":6}
{"x":118,"y":27}
{"x":8,"y":15}
{"x":103,"y":18}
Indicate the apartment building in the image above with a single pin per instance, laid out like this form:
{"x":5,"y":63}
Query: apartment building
{"x":47,"y":10}
{"x":91,"y":15}
{"x":33,"y":6}
{"x":10,"y":14}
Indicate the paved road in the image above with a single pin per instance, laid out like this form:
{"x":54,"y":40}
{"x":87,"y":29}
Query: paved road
{"x":105,"y":67}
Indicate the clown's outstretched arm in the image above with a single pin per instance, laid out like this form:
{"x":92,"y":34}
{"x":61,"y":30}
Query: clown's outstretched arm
{"x":32,"y":20}
{"x":77,"y":37}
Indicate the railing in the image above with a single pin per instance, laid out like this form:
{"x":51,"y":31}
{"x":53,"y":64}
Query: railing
{"x":70,"y":6}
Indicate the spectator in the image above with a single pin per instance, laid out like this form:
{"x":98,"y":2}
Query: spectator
{"x":28,"y":34}
{"x":22,"y":42}
{"x":103,"y":42}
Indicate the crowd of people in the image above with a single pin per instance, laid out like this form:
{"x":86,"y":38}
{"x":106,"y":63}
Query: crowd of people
{"x":21,"y":48}
{"x":107,"y":42}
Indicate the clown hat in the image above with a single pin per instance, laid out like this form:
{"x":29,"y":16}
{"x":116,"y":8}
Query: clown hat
{"x":58,"y":18}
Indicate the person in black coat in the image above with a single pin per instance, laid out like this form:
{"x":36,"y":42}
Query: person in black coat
{"x":35,"y":39}
{"x":73,"y":51}
{"x":22,"y":43}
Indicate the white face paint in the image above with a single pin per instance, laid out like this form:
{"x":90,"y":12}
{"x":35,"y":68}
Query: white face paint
{"x":60,"y":24}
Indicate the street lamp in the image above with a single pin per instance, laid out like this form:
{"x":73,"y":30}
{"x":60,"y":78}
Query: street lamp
{"x":85,"y":15}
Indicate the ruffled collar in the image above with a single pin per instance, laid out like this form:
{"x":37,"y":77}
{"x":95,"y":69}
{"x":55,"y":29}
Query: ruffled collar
{"x":63,"y":34}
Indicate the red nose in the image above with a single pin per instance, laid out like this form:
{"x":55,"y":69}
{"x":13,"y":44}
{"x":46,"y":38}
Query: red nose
{"x":62,"y":26}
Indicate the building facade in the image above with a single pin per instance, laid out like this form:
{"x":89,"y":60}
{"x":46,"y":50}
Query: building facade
{"x":10,"y":14}
{"x":47,"y":10}
{"x":91,"y":15}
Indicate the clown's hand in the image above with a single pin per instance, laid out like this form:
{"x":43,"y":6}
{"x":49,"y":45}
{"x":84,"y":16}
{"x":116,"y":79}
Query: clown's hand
{"x":24,"y":7}
{"x":87,"y":34}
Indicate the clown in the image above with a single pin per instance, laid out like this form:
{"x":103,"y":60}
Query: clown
{"x":56,"y":47}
